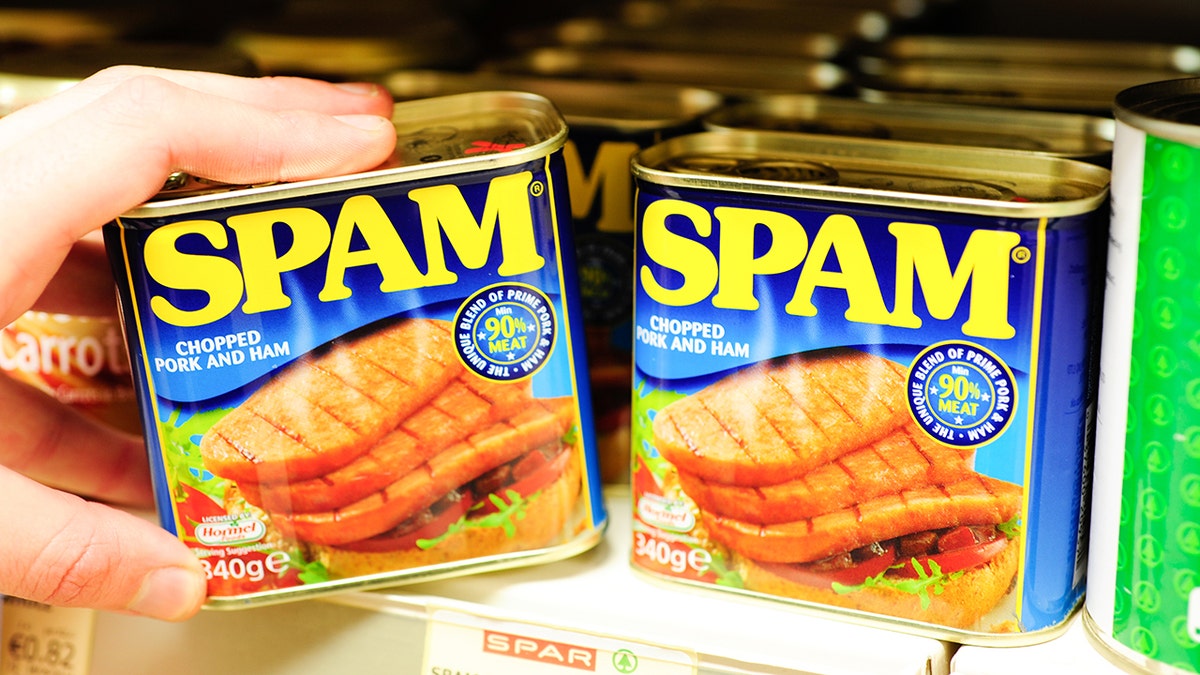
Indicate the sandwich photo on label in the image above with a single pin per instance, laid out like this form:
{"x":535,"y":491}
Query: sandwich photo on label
{"x":810,"y":471}
{"x":383,"y":452}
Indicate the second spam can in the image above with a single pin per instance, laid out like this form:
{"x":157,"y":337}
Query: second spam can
{"x":1143,"y":604}
{"x":1071,"y":136}
{"x":372,"y":379}
{"x":863,"y":377}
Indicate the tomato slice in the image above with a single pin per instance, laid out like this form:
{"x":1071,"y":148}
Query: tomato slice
{"x":813,"y":575}
{"x":408,"y":540}
{"x":953,"y":560}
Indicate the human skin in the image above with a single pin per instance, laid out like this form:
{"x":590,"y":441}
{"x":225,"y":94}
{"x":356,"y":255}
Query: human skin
{"x":68,"y":165}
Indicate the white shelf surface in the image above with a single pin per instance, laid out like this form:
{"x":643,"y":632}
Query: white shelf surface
{"x":1069,"y":653}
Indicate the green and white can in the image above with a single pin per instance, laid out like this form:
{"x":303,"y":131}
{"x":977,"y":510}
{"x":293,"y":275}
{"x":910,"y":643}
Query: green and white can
{"x":1143,"y":603}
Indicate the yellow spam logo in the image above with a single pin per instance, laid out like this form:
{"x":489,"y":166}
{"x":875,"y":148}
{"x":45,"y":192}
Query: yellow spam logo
{"x":724,"y":272}
{"x":246,"y":266}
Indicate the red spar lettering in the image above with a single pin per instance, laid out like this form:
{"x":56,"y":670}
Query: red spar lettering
{"x":542,"y":651}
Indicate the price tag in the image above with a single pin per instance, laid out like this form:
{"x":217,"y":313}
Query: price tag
{"x":459,"y":644}
{"x":37,"y":639}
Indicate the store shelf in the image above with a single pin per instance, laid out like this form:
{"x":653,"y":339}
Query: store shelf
{"x":594,"y":599}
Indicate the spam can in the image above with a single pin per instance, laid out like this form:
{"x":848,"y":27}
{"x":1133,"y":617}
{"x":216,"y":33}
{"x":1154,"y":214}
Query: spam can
{"x":372,"y":379}
{"x":863,"y":378}
{"x":609,"y":122}
{"x":1143,"y":604}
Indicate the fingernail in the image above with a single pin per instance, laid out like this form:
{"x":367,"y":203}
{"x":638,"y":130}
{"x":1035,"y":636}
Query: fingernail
{"x":360,"y":88}
{"x":170,"y":593}
{"x":366,"y":122}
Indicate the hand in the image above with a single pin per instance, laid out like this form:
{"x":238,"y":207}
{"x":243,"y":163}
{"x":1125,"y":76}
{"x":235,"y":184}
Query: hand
{"x":68,"y":165}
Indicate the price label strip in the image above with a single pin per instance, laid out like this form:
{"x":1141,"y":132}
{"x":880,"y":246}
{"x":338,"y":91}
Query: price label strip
{"x":460,"y":644}
{"x":38,"y":639}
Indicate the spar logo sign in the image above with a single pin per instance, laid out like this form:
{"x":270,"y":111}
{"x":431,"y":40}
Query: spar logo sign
{"x":540,"y":650}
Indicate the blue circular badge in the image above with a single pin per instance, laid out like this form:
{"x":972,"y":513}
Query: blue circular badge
{"x":505,"y":332}
{"x":961,"y":393}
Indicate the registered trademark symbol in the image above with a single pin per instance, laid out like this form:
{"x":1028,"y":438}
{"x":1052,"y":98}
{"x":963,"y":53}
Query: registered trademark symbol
{"x":624,"y":661}
{"x":536,"y":188}
{"x":1021,"y":254}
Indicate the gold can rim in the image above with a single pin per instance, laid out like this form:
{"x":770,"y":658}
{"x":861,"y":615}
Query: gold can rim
{"x":549,"y":127}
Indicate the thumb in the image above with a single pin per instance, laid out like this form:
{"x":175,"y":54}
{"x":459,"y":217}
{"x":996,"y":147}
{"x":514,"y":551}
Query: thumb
{"x":65,"y":551}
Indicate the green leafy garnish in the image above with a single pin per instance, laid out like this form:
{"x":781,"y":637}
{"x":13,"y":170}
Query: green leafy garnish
{"x":650,"y":401}
{"x":314,"y":572}
{"x":931,"y":581}
{"x":570,"y":438}
{"x":725,"y":576}
{"x":1010,"y":528}
{"x":182,"y":451}
{"x":504,"y":517}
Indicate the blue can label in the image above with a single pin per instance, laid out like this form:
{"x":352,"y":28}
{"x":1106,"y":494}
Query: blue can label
{"x":864,"y":407}
{"x":364,"y":381}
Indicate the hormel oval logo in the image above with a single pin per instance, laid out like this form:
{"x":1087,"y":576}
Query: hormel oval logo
{"x":540,"y":650}
{"x":233,"y":530}
{"x":669,"y":514}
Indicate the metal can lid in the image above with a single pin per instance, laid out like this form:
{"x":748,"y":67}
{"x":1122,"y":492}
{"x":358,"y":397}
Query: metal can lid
{"x":732,"y":74}
{"x":1013,"y":49}
{"x":75,"y":62}
{"x":895,"y":173}
{"x":619,"y":105}
{"x":1075,"y":88}
{"x":435,"y":137}
{"x":899,"y":9}
{"x":1168,"y":109}
{"x":62,"y":26}
{"x":781,"y":169}
{"x":1062,"y":134}
{"x":603,"y":33}
{"x":327,"y":41}
{"x":844,"y":19}
{"x":29,"y":76}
